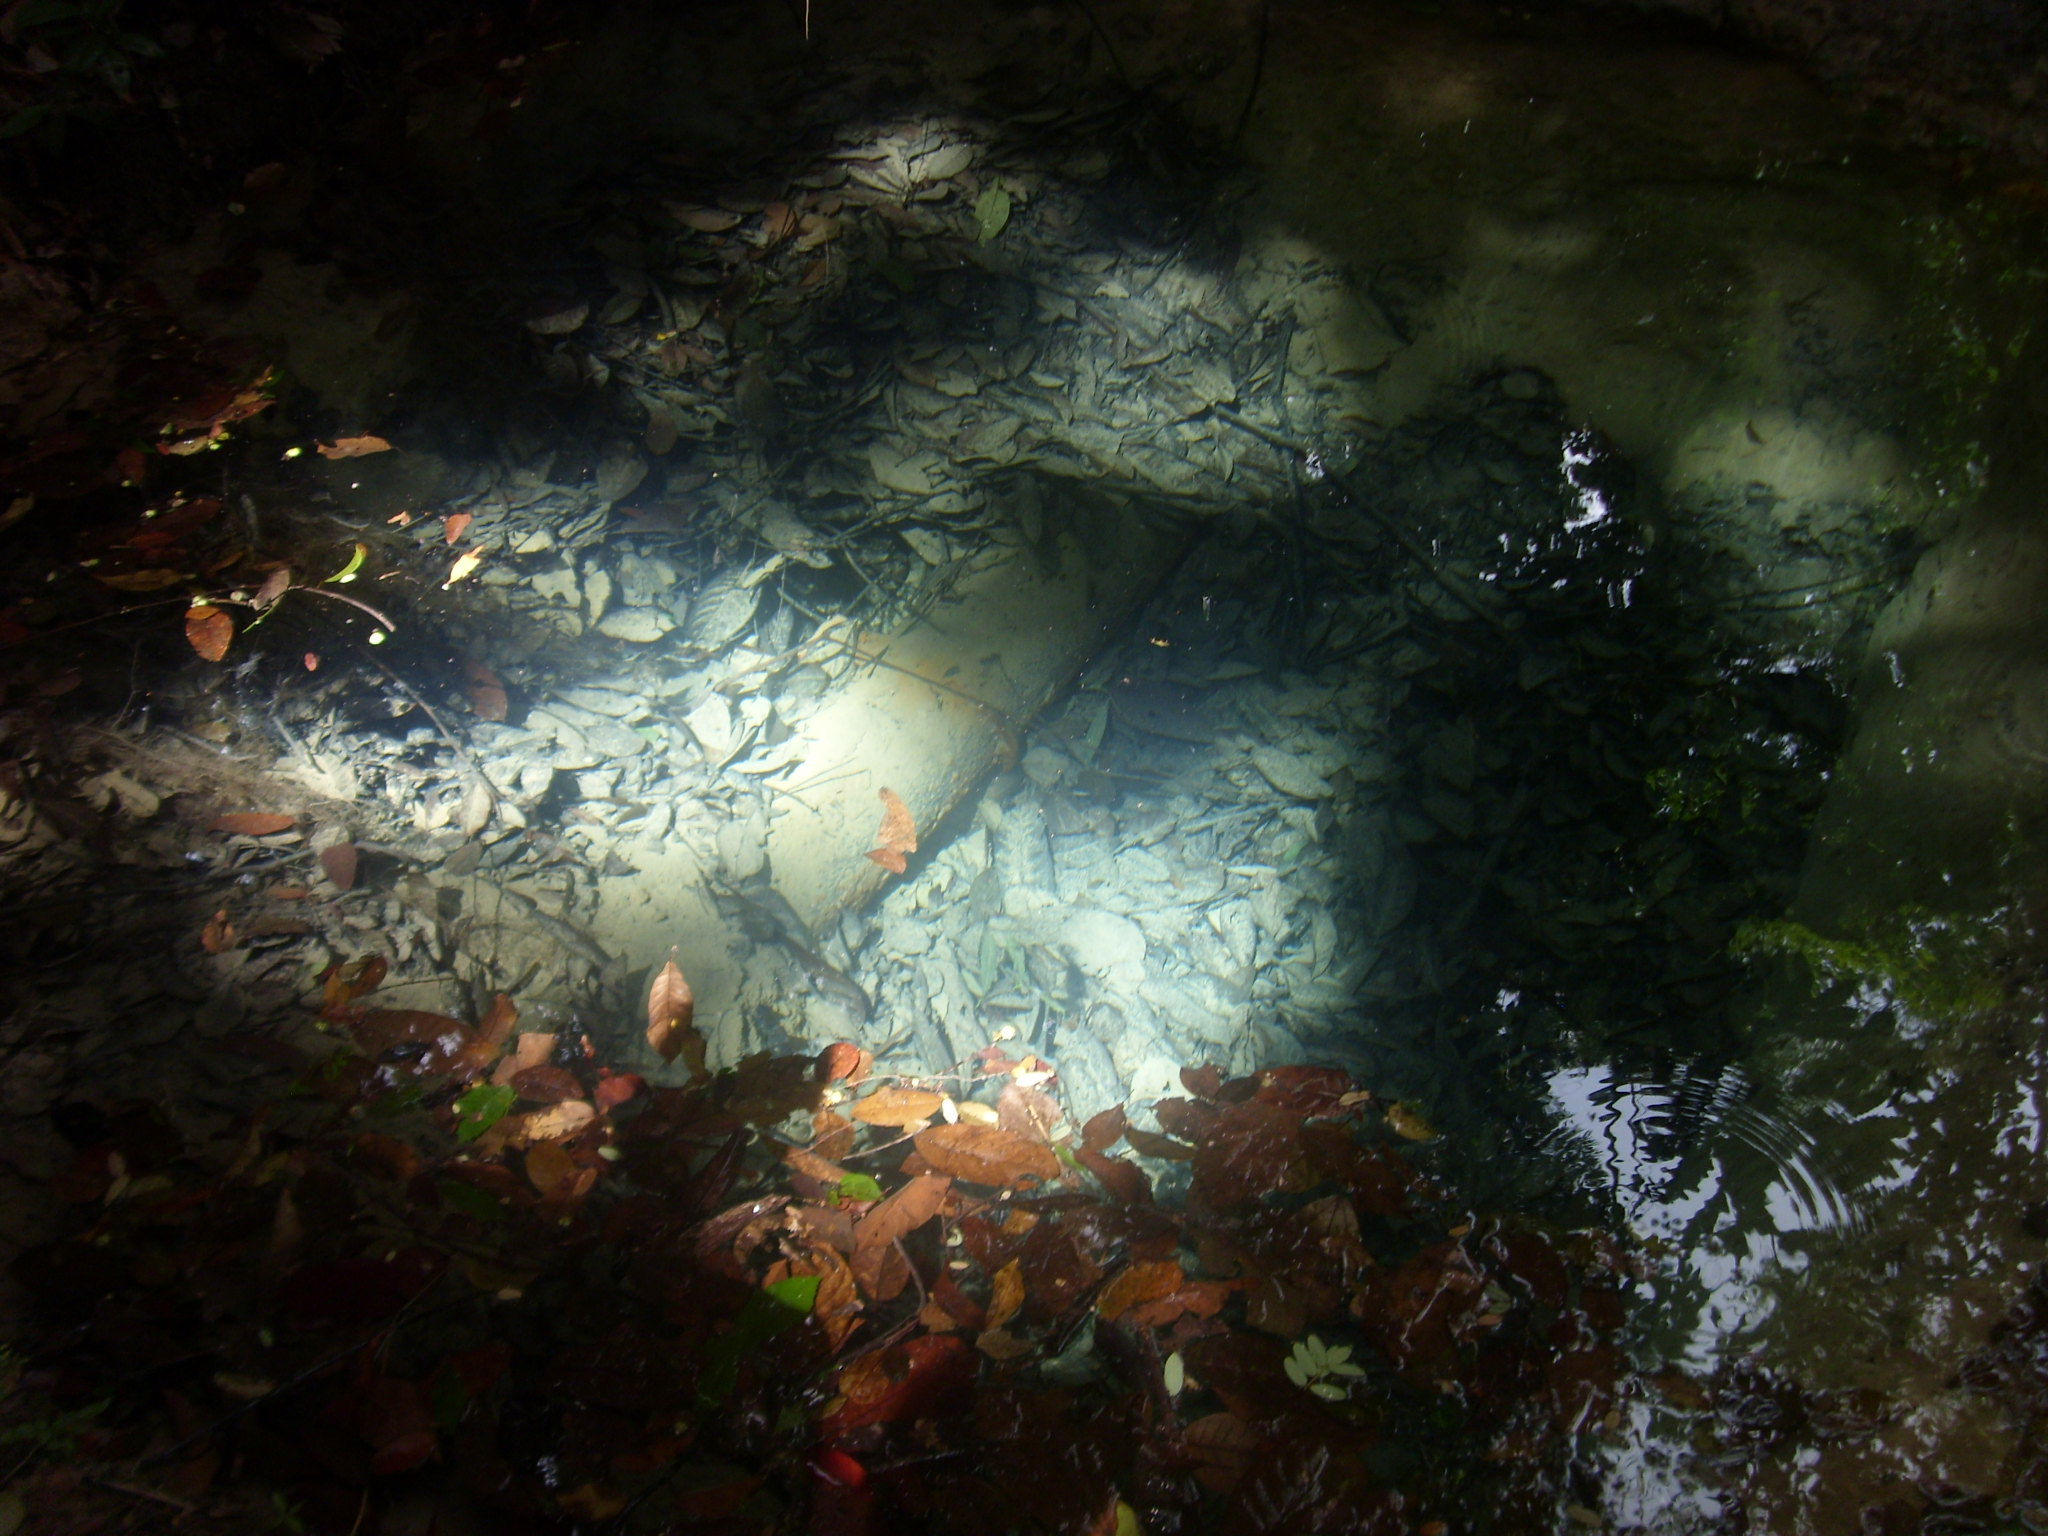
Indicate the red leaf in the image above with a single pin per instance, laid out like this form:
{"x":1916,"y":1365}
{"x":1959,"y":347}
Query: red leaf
{"x":843,"y":1061}
{"x":1306,"y":1091}
{"x":546,"y":1085}
{"x":339,"y":861}
{"x":615,"y":1088}
{"x":398,"y":1425}
{"x":1253,"y":1149}
{"x":456,"y":524}
{"x":927,"y":1377}
{"x":1203,"y":1082}
{"x":1105,"y":1130}
{"x":209,"y":630}
{"x":1124,"y":1179}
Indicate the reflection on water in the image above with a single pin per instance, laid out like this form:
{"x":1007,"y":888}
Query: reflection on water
{"x":1715,"y":1184}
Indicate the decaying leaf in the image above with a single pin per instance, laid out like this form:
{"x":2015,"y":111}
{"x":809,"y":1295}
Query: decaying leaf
{"x":339,"y":861}
{"x":844,"y":1062}
{"x":352,"y":447}
{"x":464,"y":566}
{"x":897,"y":836}
{"x":218,"y":935}
{"x":275,"y":585}
{"x":209,"y":630}
{"x":254,"y":823}
{"x":891,"y":1105}
{"x":903,"y":1212}
{"x":455,"y":525}
{"x":985,"y":1154}
{"x":487,"y":695}
{"x":1006,"y":1294}
{"x":671,"y":1015}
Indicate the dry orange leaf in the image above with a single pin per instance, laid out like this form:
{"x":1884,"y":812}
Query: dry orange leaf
{"x":455,"y":525}
{"x":465,"y":563}
{"x":1147,"y":1280}
{"x":1006,"y":1294}
{"x":352,"y":447}
{"x":999,"y":1344}
{"x":254,"y":823}
{"x":903,"y":1212}
{"x":671,"y":1011}
{"x":218,"y":934}
{"x":209,"y":630}
{"x":897,"y":837}
{"x":983,"y":1154}
{"x":843,"y":1061}
{"x":890,"y":1105}
{"x":553,"y":1170}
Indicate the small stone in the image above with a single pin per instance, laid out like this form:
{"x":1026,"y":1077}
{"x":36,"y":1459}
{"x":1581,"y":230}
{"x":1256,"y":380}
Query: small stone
{"x":597,"y":592}
{"x":556,"y":586}
{"x":535,"y":541}
{"x":637,"y":624}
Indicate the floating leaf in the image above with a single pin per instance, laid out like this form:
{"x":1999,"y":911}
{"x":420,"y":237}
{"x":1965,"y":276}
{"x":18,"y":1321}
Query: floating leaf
{"x":455,"y":525}
{"x":897,"y":837}
{"x":352,"y":447}
{"x":254,"y":823}
{"x":991,"y":213}
{"x":209,"y":630}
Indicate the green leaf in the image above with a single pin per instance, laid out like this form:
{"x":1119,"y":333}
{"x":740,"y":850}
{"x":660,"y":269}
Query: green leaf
{"x":858,"y":1186}
{"x":1176,"y":1373}
{"x":348,"y":572}
{"x":470,"y":1200}
{"x":1295,"y":1372}
{"x":773,"y":1309}
{"x":481,"y":1108}
{"x":1326,"y":1390}
{"x":991,"y":213}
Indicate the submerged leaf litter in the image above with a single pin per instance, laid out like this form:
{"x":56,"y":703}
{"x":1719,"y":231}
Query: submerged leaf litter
{"x":1427,"y":725}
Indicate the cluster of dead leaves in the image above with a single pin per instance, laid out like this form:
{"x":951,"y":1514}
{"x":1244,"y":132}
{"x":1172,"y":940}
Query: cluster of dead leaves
{"x":932,"y":1299}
